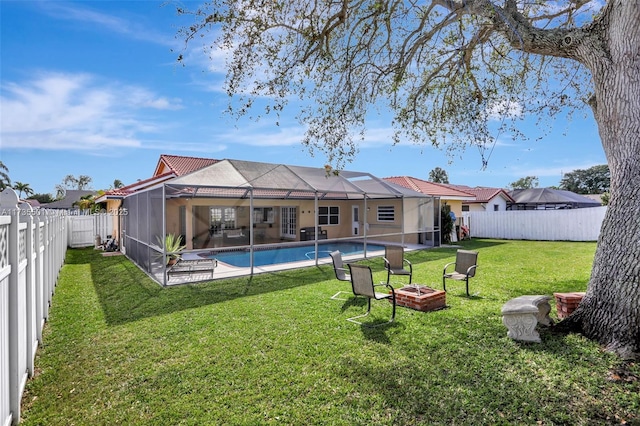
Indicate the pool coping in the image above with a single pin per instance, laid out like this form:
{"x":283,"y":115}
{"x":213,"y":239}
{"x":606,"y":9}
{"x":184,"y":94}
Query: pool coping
{"x":224,"y":271}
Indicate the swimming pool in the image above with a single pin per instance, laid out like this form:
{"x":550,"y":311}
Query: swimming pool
{"x":275,"y":255}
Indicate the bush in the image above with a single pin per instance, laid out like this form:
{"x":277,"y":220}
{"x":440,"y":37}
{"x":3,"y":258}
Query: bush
{"x":446,"y":224}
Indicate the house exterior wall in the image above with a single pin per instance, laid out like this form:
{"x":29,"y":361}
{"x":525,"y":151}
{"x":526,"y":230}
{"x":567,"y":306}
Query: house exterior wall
{"x":489,"y":205}
{"x":198,"y":220}
{"x":114,"y":207}
{"x":455,"y":205}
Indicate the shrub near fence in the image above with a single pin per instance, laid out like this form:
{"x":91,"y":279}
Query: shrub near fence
{"x":32,"y":248}
{"x":539,"y":225}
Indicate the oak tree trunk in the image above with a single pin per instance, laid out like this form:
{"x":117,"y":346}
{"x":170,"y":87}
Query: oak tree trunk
{"x":610,"y":310}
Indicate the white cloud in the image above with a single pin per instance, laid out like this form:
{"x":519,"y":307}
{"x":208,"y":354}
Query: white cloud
{"x":143,"y":98}
{"x":263,"y":136}
{"x":505,"y":109}
{"x":76,"y":112}
{"x":133,"y":27}
{"x":553,"y":171}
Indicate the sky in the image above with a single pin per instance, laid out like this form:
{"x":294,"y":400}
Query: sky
{"x":94,"y":88}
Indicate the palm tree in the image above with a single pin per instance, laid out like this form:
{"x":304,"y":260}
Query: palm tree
{"x":4,"y":176}
{"x":117,"y":184}
{"x":22,"y":187}
{"x":86,"y":202}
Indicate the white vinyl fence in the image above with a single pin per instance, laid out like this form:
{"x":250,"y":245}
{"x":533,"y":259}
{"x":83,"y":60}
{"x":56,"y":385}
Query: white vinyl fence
{"x":32,"y":248}
{"x":540,"y":225}
{"x":84,"y":228}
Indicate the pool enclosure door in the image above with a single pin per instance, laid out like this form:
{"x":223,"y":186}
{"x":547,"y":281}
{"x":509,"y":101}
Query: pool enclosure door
{"x":288,"y":222}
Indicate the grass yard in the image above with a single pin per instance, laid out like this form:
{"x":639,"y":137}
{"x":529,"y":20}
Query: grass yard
{"x":275,"y":349}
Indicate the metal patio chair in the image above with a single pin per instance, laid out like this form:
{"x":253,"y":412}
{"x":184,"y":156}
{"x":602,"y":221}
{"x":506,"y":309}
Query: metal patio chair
{"x":362,"y":285}
{"x":465,"y":268}
{"x":394,"y":262}
{"x":340,"y":271}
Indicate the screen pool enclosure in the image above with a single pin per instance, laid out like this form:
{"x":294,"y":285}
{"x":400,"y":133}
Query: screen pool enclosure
{"x":236,"y":205}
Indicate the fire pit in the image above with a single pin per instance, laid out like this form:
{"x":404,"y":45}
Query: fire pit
{"x":421,"y":298}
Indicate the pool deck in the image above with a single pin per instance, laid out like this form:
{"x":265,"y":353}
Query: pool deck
{"x":224,"y":270}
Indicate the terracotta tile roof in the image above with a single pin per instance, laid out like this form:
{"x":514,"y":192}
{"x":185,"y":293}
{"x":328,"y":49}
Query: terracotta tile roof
{"x":182,"y":165}
{"x":169,"y":166}
{"x":430,"y":188}
{"x":483,"y":194}
{"x":131,"y":188}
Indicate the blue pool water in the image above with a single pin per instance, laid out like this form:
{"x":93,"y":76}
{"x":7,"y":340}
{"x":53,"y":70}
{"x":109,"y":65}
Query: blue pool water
{"x":273,"y":256}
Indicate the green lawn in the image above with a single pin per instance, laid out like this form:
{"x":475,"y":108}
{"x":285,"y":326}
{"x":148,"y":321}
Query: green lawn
{"x":119,"y":349}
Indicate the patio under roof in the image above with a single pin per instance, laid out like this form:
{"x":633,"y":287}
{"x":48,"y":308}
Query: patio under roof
{"x":237,"y":179}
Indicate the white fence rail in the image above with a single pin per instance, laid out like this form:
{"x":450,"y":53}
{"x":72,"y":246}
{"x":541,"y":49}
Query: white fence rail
{"x":84,"y":228}
{"x":540,"y":225}
{"x":32,"y":248}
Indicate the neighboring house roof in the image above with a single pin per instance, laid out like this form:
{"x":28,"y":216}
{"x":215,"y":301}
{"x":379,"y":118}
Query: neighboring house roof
{"x":594,"y":197}
{"x":181,"y":165}
{"x":551,"y":197}
{"x":483,"y":194}
{"x":32,"y":202}
{"x":71,"y":196}
{"x":238,"y":179}
{"x":431,"y":188}
{"x":119,"y":193}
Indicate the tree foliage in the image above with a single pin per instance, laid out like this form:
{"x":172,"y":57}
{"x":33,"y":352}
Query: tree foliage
{"x":527,"y":182}
{"x":71,"y":182}
{"x":5,"y":181}
{"x":446,"y":224}
{"x":455,"y":73}
{"x":61,"y":191}
{"x":88,"y":202}
{"x":438,"y":175}
{"x":22,"y":188}
{"x":42,"y":198}
{"x":594,"y":180}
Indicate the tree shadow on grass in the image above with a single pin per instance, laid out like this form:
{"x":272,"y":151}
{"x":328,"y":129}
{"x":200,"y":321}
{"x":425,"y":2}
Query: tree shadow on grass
{"x":126,"y":293}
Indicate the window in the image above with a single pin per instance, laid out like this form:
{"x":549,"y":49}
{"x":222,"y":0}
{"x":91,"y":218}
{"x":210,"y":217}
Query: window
{"x":263,"y":215}
{"x":496,"y":207}
{"x":222,"y":218}
{"x":465,"y":208}
{"x":328,"y":215}
{"x":386,"y":213}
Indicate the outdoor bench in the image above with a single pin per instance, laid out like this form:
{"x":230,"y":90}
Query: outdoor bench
{"x":193,"y":266}
{"x":235,"y":236}
{"x":522,"y":314}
